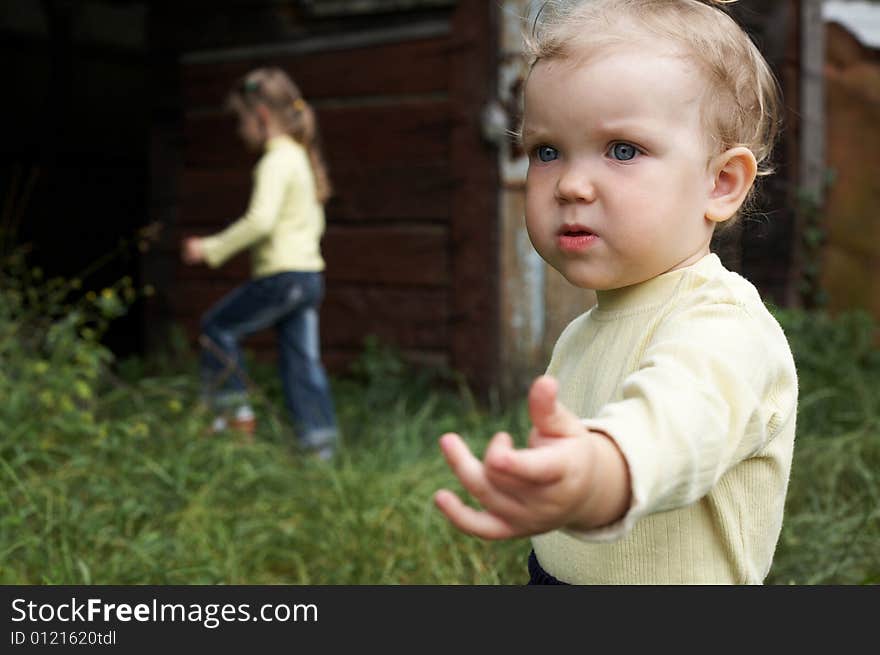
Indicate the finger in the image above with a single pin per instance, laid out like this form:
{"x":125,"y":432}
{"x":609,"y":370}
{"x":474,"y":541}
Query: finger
{"x":549,"y":416}
{"x":466,"y":467}
{"x":471,"y":472}
{"x":539,"y":439}
{"x":539,"y":466}
{"x":504,"y":469}
{"x":467,"y":519}
{"x":513,"y":487}
{"x":499,"y":446}
{"x":495,"y":465}
{"x":457,"y":454}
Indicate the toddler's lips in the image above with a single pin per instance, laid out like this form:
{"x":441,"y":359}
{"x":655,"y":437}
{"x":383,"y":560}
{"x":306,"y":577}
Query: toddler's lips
{"x":575,"y":238}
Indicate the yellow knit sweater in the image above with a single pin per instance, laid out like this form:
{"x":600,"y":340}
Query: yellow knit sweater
{"x":694,"y":380}
{"x":284,"y":221}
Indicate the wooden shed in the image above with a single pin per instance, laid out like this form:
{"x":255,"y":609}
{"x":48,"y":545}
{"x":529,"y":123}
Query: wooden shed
{"x":411,"y":240}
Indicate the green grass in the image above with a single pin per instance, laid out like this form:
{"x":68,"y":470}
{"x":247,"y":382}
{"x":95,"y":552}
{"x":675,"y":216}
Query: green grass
{"x":831,"y":530}
{"x":140,"y":494}
{"x":110,"y":479}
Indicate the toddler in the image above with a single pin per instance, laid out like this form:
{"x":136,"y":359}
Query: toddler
{"x":663,"y":431}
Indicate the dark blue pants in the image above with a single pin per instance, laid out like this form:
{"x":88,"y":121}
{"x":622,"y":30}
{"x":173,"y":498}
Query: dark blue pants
{"x":288,"y":301}
{"x":537,"y":575}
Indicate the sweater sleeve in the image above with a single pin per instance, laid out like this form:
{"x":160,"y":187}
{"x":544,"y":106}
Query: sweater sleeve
{"x":267,"y":198}
{"x":711,"y":390}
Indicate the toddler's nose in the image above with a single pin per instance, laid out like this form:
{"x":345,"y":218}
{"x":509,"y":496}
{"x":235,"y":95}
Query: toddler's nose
{"x":575,"y":185}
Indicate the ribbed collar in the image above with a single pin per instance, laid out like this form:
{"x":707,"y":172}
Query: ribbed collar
{"x":275,"y":141}
{"x":651,"y":292}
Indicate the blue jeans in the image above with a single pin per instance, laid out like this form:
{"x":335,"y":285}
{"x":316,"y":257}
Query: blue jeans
{"x":288,"y":301}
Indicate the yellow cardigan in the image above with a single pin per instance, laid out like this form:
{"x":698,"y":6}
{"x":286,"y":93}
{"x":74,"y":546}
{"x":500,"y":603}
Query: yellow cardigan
{"x":695,"y":382}
{"x":284,"y":221}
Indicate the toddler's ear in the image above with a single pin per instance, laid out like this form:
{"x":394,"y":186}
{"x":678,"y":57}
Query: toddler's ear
{"x":734,"y":173}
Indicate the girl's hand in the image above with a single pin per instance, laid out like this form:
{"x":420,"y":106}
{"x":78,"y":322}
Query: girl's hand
{"x":561,"y":480}
{"x":191,"y":251}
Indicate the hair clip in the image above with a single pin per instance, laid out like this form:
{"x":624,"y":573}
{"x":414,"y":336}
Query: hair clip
{"x":251,"y":85}
{"x":299,"y":104}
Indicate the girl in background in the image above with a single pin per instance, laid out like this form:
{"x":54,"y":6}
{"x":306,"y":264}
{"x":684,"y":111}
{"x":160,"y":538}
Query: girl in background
{"x":282,"y":227}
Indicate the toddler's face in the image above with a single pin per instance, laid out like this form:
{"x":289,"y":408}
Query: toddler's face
{"x":618,"y":179}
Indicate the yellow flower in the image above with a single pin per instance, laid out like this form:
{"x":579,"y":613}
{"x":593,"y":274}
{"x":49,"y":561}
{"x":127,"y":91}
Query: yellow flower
{"x":175,"y":405}
{"x":82,"y":389}
{"x":107,"y":293}
{"x":91,"y":297}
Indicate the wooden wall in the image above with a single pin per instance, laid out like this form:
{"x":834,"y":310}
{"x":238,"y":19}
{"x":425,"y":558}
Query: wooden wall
{"x":850,"y":250}
{"x":411,"y":237}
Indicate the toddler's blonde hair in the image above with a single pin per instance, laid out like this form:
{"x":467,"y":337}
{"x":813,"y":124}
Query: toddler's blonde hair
{"x":742,"y":102}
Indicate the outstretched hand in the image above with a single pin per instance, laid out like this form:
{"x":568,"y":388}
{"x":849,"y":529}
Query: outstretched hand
{"x":553,"y":483}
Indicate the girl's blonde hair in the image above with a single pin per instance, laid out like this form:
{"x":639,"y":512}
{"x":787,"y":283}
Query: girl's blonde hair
{"x":742,"y":102}
{"x":273,"y":88}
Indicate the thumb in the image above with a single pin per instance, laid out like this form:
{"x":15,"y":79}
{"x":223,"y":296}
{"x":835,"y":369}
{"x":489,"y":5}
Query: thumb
{"x":549,"y":416}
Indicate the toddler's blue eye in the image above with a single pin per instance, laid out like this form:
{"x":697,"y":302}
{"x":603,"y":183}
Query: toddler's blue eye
{"x":547,"y":153}
{"x":624,"y":151}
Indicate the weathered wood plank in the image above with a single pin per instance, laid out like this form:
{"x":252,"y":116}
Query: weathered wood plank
{"x":391,"y":190}
{"x":400,"y":255}
{"x":474,"y":227}
{"x":414,"y":67}
{"x":411,"y":132}
{"x":410,"y":318}
{"x":408,"y":256}
{"x":210,"y":198}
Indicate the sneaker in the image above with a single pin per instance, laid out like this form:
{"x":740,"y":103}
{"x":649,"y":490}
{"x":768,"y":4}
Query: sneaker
{"x":246,"y":426}
{"x":219,"y":424}
{"x":324,"y":453}
{"x":244,"y":421}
